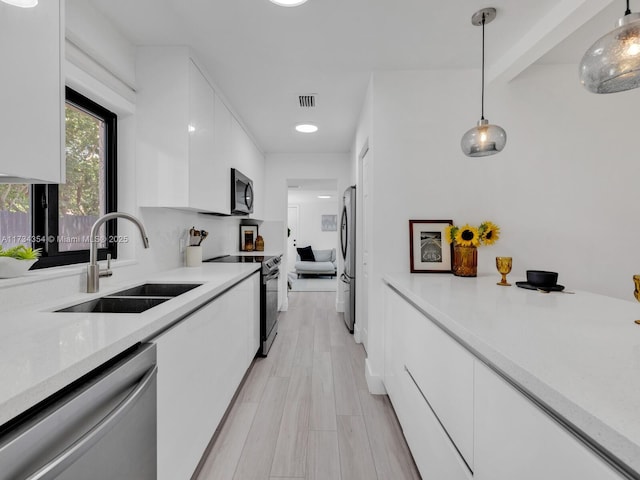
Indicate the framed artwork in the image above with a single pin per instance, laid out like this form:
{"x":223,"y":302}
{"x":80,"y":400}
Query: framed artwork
{"x":329,"y":223}
{"x":248,"y":234}
{"x":429,"y":251}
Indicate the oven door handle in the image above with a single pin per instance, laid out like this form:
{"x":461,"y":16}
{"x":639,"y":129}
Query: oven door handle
{"x":84,"y":443}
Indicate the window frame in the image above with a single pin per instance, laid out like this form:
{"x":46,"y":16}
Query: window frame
{"x":44,"y":198}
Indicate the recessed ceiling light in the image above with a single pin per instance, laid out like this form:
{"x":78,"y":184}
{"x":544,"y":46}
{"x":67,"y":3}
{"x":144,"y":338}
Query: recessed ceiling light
{"x":23,"y":3}
{"x":324,"y":196}
{"x":306,"y":128}
{"x":288,"y":3}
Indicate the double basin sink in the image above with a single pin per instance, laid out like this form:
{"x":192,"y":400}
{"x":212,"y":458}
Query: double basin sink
{"x":133,"y":300}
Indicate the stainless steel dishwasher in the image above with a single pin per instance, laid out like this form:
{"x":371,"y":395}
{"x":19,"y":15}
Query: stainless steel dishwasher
{"x":101,"y":427}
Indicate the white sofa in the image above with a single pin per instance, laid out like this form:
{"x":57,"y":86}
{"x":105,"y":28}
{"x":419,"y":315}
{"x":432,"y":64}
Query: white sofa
{"x":325,"y":263}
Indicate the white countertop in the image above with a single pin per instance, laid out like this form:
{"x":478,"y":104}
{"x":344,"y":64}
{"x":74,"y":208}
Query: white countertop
{"x":42,"y":351}
{"x":579,"y":355}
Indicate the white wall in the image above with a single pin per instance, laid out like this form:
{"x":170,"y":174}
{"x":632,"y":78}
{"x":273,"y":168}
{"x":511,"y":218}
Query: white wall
{"x":310,"y":211}
{"x":563,"y":190}
{"x":280,"y":167}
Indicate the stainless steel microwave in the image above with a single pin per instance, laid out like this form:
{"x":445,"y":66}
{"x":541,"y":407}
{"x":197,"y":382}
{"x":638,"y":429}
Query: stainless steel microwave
{"x":241,"y":193}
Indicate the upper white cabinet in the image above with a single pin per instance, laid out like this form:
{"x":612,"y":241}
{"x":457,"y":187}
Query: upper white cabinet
{"x":175,"y":137}
{"x":32,"y":93}
{"x":187,"y":140}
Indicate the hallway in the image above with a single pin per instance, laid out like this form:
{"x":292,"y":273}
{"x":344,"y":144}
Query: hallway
{"x":304,"y":412}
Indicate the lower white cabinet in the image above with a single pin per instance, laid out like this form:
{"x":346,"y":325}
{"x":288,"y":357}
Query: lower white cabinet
{"x":429,"y":378}
{"x":515,"y":439}
{"x":201,"y":362}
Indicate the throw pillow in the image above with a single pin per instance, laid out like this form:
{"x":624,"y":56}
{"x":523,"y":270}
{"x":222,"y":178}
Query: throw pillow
{"x":306,"y":254}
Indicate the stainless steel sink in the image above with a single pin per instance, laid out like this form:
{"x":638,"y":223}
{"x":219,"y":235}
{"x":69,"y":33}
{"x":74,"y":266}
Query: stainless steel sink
{"x":133,"y":300}
{"x":156,"y":290}
{"x":116,"y":305}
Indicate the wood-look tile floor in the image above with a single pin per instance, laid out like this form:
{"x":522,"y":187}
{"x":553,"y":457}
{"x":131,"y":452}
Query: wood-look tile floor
{"x":304,"y":411}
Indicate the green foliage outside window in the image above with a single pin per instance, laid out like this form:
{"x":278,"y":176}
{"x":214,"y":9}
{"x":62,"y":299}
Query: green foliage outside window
{"x":84,"y":188}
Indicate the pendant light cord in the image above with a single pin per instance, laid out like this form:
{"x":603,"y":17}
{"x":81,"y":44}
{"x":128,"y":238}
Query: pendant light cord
{"x":482,"y":96}
{"x":628,"y":9}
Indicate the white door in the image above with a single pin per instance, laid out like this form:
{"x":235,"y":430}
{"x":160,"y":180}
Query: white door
{"x":292,"y":223}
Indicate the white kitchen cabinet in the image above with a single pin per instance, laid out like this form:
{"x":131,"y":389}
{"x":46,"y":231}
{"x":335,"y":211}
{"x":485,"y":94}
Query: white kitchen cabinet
{"x":220,"y":184}
{"x":246,"y":157}
{"x":201,"y":362}
{"x":429,"y":378}
{"x":175,"y":111}
{"x":516,"y":439}
{"x":32,"y":94}
{"x":443,"y":371}
{"x":187,"y":138}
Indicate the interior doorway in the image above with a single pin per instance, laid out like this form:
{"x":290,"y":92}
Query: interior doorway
{"x":313,"y":217}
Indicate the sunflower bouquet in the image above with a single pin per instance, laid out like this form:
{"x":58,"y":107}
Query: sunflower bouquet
{"x":487,"y":233}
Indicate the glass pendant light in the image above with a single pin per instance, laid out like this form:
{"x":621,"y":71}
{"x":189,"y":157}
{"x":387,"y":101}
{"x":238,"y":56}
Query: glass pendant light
{"x":484,"y":139}
{"x":612,"y":64}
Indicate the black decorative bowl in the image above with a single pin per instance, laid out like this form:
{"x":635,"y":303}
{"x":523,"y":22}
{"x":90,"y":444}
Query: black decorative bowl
{"x":540,"y":278}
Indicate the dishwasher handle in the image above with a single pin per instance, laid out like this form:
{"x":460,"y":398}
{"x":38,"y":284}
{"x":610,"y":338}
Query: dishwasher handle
{"x":84,"y":443}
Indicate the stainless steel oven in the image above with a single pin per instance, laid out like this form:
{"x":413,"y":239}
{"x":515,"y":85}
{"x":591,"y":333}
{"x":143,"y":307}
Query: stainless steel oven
{"x":269,"y":304}
{"x":269,"y":275}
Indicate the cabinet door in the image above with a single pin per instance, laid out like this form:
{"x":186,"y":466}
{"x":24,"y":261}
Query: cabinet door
{"x":247,"y":158}
{"x":443,"y":370}
{"x":32,"y":94}
{"x":515,"y":439}
{"x":412,"y":352}
{"x":202,"y":167}
{"x":162,"y":127}
{"x":201,"y":362}
{"x":394,"y":349}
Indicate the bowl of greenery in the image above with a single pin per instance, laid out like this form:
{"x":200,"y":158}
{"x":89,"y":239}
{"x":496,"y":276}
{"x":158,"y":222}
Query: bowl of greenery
{"x":16,"y":261}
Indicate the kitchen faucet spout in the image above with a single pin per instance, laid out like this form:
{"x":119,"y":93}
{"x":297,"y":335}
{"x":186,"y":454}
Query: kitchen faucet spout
{"x":93,"y":269}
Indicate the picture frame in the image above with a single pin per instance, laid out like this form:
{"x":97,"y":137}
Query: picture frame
{"x":329,"y":223}
{"x":248,"y":235}
{"x":428,"y":248}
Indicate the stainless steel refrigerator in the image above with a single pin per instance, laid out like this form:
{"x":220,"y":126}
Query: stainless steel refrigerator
{"x":348,"y":249}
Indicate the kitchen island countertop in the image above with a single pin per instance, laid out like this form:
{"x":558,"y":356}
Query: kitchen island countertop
{"x":577,"y":355}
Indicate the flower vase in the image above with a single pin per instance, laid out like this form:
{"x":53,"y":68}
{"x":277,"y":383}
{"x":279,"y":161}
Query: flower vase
{"x":465,"y":261}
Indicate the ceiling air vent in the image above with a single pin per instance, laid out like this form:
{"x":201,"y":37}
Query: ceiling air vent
{"x":307,"y":101}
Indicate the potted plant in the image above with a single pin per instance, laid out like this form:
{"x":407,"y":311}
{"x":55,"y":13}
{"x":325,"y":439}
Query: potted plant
{"x":15,"y":261}
{"x":466,"y":240}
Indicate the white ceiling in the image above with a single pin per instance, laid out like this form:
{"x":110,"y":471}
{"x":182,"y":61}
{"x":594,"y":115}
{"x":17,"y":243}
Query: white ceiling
{"x":263,"y":56}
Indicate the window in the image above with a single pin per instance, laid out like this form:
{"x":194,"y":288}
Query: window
{"x":58,"y":218}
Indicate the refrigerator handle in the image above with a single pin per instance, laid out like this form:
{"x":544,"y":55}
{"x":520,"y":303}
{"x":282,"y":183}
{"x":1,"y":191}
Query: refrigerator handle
{"x":84,"y":443}
{"x":344,"y":233}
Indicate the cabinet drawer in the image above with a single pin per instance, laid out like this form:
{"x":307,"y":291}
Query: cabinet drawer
{"x":516,"y":439}
{"x":443,"y":370}
{"x":434,"y":453}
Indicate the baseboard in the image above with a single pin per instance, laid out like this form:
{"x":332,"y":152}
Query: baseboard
{"x":357,"y":335}
{"x":374,"y":382}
